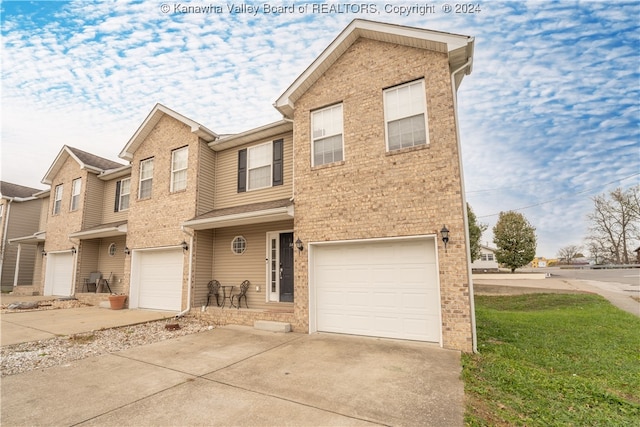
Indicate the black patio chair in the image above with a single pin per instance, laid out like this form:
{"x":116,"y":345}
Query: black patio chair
{"x":242,"y":294}
{"x":214,"y":289}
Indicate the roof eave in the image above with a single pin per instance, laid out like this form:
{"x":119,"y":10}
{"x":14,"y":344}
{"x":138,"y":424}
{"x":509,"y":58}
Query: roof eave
{"x":410,"y":36}
{"x":152,"y":119}
{"x":257,"y":134}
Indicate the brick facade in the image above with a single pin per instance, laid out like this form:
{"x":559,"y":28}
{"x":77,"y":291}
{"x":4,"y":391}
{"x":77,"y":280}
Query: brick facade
{"x":373,"y":193}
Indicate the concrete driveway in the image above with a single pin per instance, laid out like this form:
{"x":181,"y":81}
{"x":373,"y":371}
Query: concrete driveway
{"x":241,"y":376}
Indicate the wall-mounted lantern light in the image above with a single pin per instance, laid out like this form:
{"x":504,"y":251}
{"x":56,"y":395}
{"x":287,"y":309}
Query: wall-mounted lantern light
{"x":184,"y":245}
{"x":44,"y":253}
{"x":445,"y":236}
{"x":127,"y":251}
{"x":73,"y":250}
{"x":299,"y":245}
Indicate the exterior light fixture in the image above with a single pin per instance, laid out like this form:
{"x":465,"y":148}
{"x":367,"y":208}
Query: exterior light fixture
{"x":445,"y":236}
{"x":73,"y":250}
{"x":127,"y":251}
{"x":299,"y":245}
{"x":184,"y":245}
{"x":44,"y":253}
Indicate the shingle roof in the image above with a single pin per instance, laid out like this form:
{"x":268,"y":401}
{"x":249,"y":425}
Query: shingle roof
{"x":254,"y":207}
{"x":8,"y":189}
{"x":95,"y":161}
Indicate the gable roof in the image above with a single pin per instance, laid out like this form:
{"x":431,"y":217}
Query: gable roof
{"x":88,"y":161}
{"x":458,"y":47}
{"x":152,"y":119}
{"x":9,"y":190}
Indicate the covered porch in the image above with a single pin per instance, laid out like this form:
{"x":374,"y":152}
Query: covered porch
{"x":28,"y":258}
{"x":101,"y":250}
{"x":246,"y":243}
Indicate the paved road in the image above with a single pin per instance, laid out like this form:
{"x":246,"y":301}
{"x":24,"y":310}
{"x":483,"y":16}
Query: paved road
{"x":628,"y":276}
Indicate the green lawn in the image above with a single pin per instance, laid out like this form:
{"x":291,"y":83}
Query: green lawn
{"x":553,"y":360}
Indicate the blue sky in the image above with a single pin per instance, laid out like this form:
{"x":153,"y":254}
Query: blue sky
{"x":548,"y":119}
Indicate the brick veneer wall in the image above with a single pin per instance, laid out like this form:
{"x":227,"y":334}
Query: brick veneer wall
{"x":156,"y":221}
{"x":373,"y":193}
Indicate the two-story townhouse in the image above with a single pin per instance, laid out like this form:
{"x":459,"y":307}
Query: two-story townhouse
{"x":19,"y":216}
{"x":75,"y":206}
{"x":375,"y":177}
{"x":171,"y":181}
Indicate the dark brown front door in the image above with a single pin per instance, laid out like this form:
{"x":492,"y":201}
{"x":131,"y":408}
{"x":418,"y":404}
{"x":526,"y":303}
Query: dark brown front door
{"x":286,"y":267}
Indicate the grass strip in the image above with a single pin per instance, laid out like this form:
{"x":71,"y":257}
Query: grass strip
{"x":553,"y":360}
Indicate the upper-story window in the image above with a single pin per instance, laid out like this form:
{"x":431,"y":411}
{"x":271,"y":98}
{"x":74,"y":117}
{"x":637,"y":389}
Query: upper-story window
{"x":179,"y":169}
{"x":261,"y":166}
{"x":327,"y":145}
{"x":75,"y":194}
{"x":405,"y":114}
{"x":57,"y":199}
{"x":146,"y":178}
{"x":123,"y":189}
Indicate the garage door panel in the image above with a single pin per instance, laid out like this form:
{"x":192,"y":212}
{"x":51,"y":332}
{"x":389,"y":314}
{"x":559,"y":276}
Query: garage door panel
{"x":59,"y":274}
{"x":387,"y":289}
{"x":159,"y":279}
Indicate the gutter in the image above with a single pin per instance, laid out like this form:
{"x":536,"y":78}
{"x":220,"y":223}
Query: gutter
{"x":454,"y":93}
{"x":188,"y":309}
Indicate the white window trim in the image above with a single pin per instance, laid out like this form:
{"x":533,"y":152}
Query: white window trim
{"x":75,"y":194}
{"x":233,"y":241}
{"x":120,"y":208}
{"x":270,"y":144}
{"x":175,"y":171}
{"x":57,"y":202}
{"x":386,"y":119}
{"x":341,"y":133}
{"x":150,"y":160}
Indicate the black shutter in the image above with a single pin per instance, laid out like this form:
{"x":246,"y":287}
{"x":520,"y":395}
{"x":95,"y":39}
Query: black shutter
{"x":117,"y":206}
{"x":242,"y":171}
{"x":277,"y":162}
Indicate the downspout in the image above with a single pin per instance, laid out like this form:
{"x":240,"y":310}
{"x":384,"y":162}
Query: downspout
{"x":454,"y":93}
{"x":186,"y":310}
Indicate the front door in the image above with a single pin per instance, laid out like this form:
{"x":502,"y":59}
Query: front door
{"x":280,"y":266}
{"x":286,"y":267}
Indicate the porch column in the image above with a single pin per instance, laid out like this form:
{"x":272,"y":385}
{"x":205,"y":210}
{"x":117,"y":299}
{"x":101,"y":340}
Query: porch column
{"x":15,"y":276}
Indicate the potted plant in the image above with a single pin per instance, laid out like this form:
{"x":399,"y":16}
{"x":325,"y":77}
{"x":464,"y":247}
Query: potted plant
{"x":117,"y":301}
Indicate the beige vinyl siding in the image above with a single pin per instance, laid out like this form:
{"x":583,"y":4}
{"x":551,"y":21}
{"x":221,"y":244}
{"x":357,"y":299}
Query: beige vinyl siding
{"x":206,"y":179}
{"x":202,"y":265}
{"x":109,"y":197}
{"x":36,"y":280}
{"x":93,"y":190}
{"x":44,"y":213}
{"x":227,"y":195}
{"x":23,"y":220}
{"x":87,"y":261}
{"x":112,"y":264}
{"x":3,"y":205}
{"x":232,"y":269}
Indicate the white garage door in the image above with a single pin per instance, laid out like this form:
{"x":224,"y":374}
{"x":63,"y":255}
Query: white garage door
{"x":59,"y":275}
{"x":157,"y":279}
{"x":384,"y":289}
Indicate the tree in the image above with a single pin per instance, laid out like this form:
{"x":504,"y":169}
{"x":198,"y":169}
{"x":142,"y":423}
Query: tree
{"x":569,"y":253}
{"x":515,"y":239}
{"x":475,"y":233}
{"x":614,"y":231}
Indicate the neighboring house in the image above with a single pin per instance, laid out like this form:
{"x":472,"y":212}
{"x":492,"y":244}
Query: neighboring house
{"x":19,"y":215}
{"x":332,"y":213}
{"x":487,"y":260}
{"x":74,"y":222}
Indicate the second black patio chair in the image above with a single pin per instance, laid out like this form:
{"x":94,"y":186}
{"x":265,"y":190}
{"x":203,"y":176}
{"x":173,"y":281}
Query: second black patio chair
{"x":242,"y":294}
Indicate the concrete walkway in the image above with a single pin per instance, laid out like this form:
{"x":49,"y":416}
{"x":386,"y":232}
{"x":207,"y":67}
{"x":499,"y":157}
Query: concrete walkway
{"x":245,"y":377}
{"x":26,"y":326}
{"x":619,"y":294}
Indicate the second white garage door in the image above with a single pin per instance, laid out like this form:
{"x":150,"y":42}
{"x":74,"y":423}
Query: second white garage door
{"x":59,"y":274}
{"x":156,"y":279}
{"x":385,"y":288}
